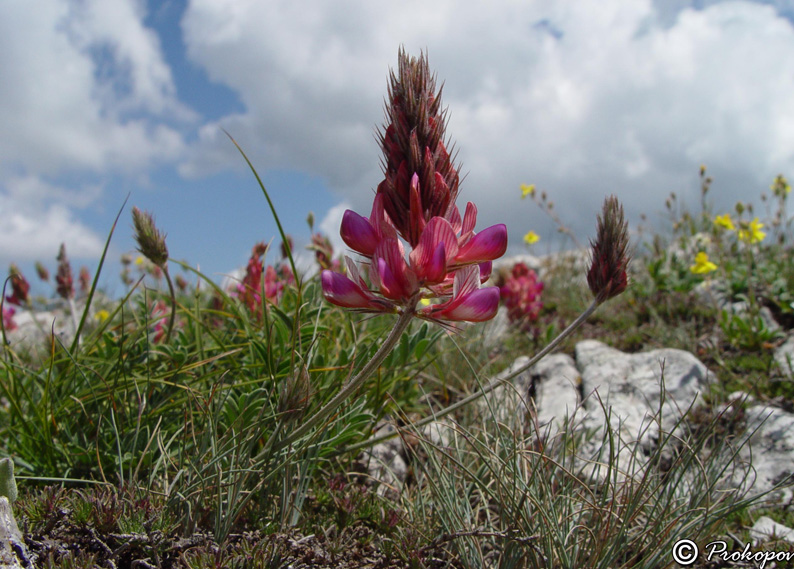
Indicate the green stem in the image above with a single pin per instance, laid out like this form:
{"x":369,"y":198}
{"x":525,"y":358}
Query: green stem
{"x":488,"y":388}
{"x":353,"y":384}
{"x":173,"y":303}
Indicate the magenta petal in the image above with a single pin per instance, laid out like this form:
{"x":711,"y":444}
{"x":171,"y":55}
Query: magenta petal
{"x":389,"y":286}
{"x":485,"y":271}
{"x":426,"y":259}
{"x":436,"y":271}
{"x":487,"y":245}
{"x":340,"y":290}
{"x":453,"y":216}
{"x":395,"y":279}
{"x":477,"y":306}
{"x":358,"y":234}
{"x":469,"y":220}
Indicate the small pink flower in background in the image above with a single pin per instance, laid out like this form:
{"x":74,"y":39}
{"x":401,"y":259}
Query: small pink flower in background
{"x":20,"y":287}
{"x":521,"y":295}
{"x":324,"y":252}
{"x":273,"y":284}
{"x":249,"y":290}
{"x":160,"y":312}
{"x":85,"y":280}
{"x":8,"y":319}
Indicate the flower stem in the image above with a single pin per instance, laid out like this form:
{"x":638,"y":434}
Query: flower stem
{"x":488,"y":388}
{"x":173,"y":303}
{"x":354,"y":383}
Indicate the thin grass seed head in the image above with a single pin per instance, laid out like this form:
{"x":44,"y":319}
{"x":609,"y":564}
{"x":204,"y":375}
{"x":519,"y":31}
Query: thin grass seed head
{"x":42,"y":272}
{"x":151,"y":242}
{"x":607,"y":276}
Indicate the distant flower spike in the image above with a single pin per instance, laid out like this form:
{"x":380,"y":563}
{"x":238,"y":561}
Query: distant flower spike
{"x":20,"y":288}
{"x":63,"y":278}
{"x":607,"y":276}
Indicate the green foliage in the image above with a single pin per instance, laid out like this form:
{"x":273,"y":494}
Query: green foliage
{"x":196,"y":432}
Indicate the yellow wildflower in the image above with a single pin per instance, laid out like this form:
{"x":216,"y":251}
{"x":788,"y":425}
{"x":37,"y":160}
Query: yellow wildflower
{"x":780,"y":187}
{"x":139,"y":260}
{"x":725,"y":222}
{"x":527,"y":190}
{"x":531,"y":237}
{"x":750,"y":232}
{"x":102,"y":315}
{"x":702,"y":264}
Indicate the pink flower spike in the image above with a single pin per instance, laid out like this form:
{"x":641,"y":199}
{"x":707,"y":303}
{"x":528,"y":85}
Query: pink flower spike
{"x":487,"y":245}
{"x":357,"y":232}
{"x":340,"y":290}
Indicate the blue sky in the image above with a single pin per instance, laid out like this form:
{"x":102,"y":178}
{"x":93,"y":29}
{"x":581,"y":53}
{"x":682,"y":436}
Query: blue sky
{"x":581,"y":97}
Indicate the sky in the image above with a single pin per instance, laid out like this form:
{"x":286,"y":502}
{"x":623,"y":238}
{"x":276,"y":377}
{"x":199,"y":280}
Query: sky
{"x":583,"y":98}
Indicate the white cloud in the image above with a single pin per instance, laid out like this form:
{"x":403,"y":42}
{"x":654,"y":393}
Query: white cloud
{"x":36,"y":233}
{"x":583,"y":98}
{"x":77,"y":78}
{"x":84,"y":93}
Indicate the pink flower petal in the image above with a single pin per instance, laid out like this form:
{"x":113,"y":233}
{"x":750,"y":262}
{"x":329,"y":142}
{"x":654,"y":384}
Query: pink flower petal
{"x":358,"y":233}
{"x":487,"y":245}
{"x":478,"y":306}
{"x":426,"y":259}
{"x":396,"y":280}
{"x":469,"y":221}
{"x":340,"y":290}
{"x":485,"y":271}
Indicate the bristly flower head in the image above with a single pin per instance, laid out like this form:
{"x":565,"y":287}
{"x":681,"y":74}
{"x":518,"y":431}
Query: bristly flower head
{"x":151,"y":243}
{"x":607,"y":275}
{"x":20,"y":288}
{"x":415,"y":203}
{"x":63,"y":278}
{"x":420,"y":181}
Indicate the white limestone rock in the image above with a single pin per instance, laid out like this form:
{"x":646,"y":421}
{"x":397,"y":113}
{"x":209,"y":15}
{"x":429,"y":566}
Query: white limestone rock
{"x":637,"y":387}
{"x":766,"y":528}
